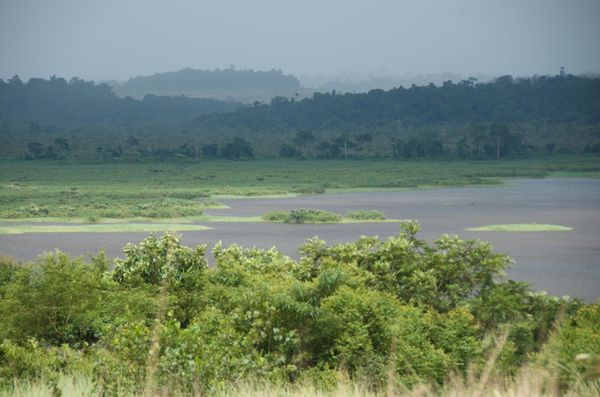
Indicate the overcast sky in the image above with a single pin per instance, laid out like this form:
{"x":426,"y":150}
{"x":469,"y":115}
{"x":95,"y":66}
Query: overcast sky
{"x":117,"y":39}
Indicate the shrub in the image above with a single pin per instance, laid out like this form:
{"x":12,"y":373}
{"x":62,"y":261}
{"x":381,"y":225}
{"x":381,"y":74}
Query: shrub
{"x":55,"y":300}
{"x":400,"y":309}
{"x":304,"y":215}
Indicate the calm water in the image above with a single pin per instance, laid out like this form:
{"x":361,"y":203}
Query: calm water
{"x":563,"y":263}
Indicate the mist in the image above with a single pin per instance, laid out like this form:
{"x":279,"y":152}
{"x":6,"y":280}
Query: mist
{"x":105,"y":40}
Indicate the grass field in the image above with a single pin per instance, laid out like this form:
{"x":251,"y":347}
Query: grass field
{"x":521,"y":227}
{"x":44,"y":189}
{"x":101,"y":228}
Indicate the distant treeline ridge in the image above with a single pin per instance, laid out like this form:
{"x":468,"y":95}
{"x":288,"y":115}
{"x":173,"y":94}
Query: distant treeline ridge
{"x":465,"y":120}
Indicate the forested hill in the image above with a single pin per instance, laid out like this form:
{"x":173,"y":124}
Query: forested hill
{"x":56,"y":101}
{"x":247,"y":85}
{"x":190,"y":79}
{"x":559,"y":99}
{"x":464,"y":120}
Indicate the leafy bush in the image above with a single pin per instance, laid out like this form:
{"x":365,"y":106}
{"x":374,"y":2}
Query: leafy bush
{"x":56,"y":301}
{"x":29,"y":360}
{"x":575,"y":347}
{"x":400,"y":308}
{"x":366,"y":215}
{"x":304,"y":215}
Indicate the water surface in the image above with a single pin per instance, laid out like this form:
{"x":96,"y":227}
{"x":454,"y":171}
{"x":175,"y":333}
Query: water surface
{"x":563,"y":263}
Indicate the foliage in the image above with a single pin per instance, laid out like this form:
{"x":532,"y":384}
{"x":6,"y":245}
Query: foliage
{"x":575,"y":346}
{"x":57,"y":101}
{"x":276,"y":216}
{"x":311,"y":215}
{"x":62,"y":298}
{"x":302,"y":215}
{"x":45,"y":189}
{"x":238,"y":149}
{"x":400,"y":310}
{"x":366,"y":215}
{"x":509,"y":118}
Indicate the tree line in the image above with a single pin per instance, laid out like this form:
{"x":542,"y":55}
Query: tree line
{"x":509,"y":117}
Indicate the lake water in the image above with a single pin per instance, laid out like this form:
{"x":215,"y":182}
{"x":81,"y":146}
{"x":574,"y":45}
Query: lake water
{"x":562,"y":263}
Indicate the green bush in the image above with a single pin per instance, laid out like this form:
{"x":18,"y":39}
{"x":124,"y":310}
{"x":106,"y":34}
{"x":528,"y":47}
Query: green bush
{"x":576,"y":346}
{"x":57,"y":300}
{"x":368,"y":308}
{"x":302,"y":215}
{"x":310,"y":215}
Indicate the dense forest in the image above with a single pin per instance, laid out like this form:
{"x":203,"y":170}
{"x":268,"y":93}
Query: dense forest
{"x":465,"y":120}
{"x":78,"y":102}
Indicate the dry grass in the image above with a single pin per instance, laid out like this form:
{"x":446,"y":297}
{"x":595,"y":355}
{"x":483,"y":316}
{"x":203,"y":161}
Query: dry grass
{"x":531,"y":382}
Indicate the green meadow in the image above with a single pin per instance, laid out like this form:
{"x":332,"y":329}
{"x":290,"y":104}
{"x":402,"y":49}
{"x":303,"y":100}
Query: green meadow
{"x":160,"y":190}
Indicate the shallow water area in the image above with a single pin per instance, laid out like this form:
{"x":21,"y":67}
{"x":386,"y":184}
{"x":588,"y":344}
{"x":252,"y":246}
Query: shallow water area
{"x":561,"y":262}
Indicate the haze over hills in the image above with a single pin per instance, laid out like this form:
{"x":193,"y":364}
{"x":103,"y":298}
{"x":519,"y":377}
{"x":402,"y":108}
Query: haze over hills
{"x":227,"y":84}
{"x":466,"y":119}
{"x":248,"y":86}
{"x":356,"y":82}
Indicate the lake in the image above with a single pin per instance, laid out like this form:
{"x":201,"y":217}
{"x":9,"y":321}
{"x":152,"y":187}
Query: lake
{"x":562,"y":263}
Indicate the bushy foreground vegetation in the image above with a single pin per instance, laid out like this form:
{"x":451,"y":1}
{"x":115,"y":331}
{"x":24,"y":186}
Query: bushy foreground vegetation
{"x":42,"y":189}
{"x":375,"y":315}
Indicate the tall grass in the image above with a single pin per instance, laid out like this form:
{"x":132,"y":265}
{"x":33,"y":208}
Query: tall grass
{"x":531,"y":381}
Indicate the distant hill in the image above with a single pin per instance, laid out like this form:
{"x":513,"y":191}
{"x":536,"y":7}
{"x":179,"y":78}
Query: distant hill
{"x":59,"y":119}
{"x":356,"y":83}
{"x":245,"y":85}
{"x":61,"y":102}
{"x":558,"y":99}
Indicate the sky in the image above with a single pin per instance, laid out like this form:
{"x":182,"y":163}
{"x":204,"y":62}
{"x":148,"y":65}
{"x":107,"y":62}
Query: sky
{"x":118,"y":39}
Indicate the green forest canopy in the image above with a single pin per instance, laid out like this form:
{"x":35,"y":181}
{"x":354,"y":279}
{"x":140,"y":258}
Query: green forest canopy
{"x":466,"y":120}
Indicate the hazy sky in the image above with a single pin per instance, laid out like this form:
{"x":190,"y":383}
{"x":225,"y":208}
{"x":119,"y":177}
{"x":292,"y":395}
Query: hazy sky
{"x":117,"y":39}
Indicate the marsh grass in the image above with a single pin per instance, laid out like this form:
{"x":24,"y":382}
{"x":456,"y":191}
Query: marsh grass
{"x":41,"y":189}
{"x":311,"y":215}
{"x":366,"y":215}
{"x":101,"y":228}
{"x":521,"y":227}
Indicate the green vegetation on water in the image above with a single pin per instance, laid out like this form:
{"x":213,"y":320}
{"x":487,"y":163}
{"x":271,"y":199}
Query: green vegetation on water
{"x":383,"y":315}
{"x":303,"y":215}
{"x":47,"y":189}
{"x":521,"y":227}
{"x":311,"y":215}
{"x":100,"y":228}
{"x":366,"y":215}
